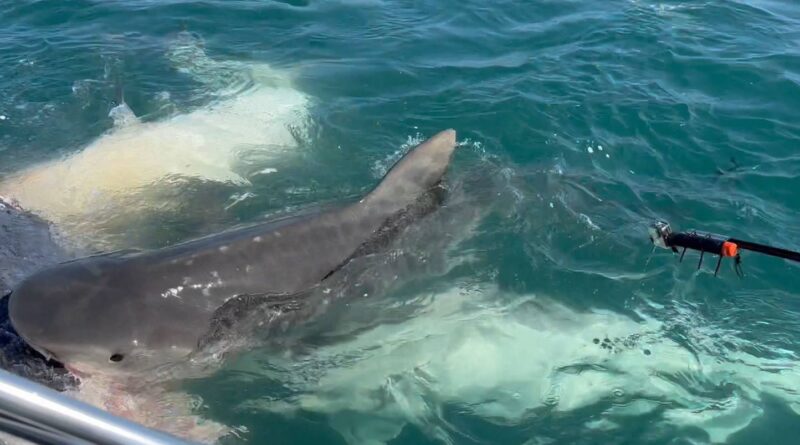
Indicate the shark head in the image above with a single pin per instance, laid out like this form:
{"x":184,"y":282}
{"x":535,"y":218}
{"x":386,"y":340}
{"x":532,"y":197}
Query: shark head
{"x":71,"y":313}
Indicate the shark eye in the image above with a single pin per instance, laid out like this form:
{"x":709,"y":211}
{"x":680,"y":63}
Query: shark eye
{"x":116,"y":358}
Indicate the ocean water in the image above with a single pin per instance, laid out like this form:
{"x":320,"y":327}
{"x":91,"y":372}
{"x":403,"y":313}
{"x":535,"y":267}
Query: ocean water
{"x":531,"y":309}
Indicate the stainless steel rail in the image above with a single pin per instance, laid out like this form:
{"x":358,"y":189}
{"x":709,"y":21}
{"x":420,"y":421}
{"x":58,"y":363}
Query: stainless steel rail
{"x":33,"y":412}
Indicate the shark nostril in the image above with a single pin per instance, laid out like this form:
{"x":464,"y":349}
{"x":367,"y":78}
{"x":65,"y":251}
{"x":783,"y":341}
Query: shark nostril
{"x":116,"y":358}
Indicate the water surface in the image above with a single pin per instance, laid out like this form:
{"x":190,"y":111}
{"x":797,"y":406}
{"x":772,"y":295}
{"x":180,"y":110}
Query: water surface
{"x":531,"y":310}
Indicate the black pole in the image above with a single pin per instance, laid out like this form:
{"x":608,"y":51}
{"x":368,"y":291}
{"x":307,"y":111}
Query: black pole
{"x":767,"y":250}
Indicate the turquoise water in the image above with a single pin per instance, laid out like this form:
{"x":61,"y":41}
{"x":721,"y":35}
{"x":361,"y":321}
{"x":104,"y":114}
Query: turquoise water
{"x":579,"y":123}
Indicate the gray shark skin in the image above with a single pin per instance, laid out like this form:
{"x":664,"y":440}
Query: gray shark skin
{"x":135,"y":310}
{"x":26,"y":245}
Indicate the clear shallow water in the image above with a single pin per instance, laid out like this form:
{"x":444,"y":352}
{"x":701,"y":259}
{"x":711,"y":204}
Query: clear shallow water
{"x":580,"y":123}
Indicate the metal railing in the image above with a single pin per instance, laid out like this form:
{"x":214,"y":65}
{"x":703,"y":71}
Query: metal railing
{"x":41,"y":415}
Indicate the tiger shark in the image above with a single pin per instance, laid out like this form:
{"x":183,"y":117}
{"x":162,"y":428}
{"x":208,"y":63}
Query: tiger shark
{"x":131,"y":311}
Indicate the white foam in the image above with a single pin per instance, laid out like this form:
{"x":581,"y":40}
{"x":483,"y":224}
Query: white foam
{"x":238,"y":198}
{"x":381,"y":167}
{"x":588,"y":221}
{"x":266,"y":171}
{"x":123,"y":115}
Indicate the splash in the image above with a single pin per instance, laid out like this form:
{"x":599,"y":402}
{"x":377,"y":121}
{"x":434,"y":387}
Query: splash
{"x":123,"y":116}
{"x":382,"y":166}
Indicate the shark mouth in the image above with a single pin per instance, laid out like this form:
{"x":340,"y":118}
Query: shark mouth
{"x":24,"y":359}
